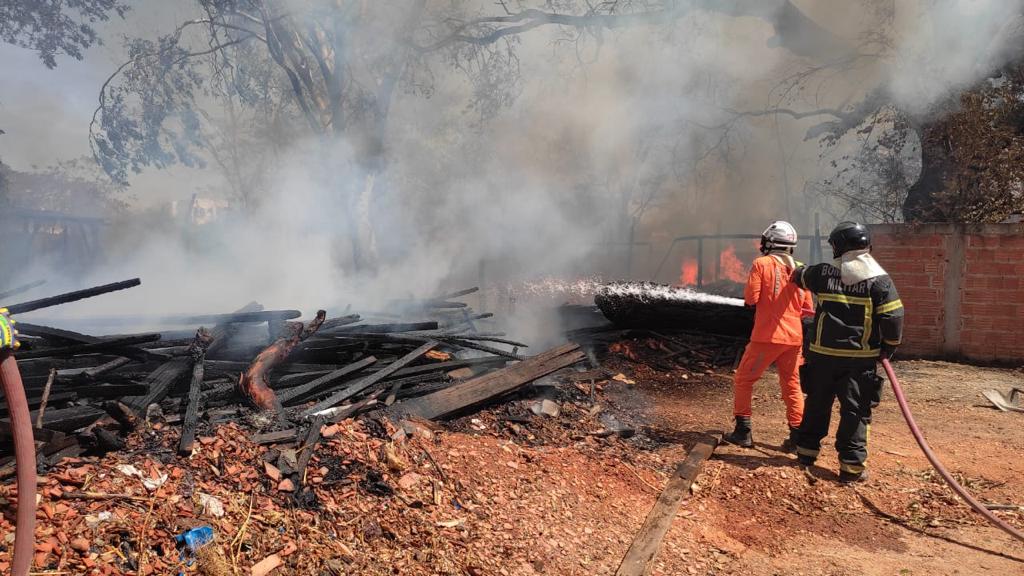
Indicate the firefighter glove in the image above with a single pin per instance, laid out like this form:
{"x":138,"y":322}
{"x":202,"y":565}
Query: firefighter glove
{"x":8,"y":334}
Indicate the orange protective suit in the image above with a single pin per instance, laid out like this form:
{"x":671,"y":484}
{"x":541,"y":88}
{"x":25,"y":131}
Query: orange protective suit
{"x":777,"y":337}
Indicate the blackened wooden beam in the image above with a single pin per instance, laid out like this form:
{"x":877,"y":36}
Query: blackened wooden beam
{"x":111,"y":391}
{"x":386,"y":328}
{"x":288,"y":368}
{"x":370,"y":380}
{"x":276,"y":437}
{"x":188,"y":428}
{"x":309,"y":443}
{"x":160,"y":382}
{"x":296,"y":394}
{"x":479,"y":390}
{"x":91,"y":348}
{"x":68,"y":419}
{"x":50,"y":332}
{"x":71,"y":296}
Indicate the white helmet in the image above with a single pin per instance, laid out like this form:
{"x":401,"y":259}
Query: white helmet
{"x":780,"y":234}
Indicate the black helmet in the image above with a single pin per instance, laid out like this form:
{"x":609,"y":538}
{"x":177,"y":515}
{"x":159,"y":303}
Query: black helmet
{"x":848,"y":236}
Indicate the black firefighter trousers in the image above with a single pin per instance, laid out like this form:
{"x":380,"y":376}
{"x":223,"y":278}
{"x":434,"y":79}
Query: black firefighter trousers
{"x":858,"y":388}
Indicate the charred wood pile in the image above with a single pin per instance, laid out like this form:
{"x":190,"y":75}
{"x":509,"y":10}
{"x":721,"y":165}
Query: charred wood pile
{"x":281,"y":378}
{"x":669,"y":329}
{"x":653,"y":306}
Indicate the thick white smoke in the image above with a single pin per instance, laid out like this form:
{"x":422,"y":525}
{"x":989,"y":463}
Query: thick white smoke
{"x":949,"y":45}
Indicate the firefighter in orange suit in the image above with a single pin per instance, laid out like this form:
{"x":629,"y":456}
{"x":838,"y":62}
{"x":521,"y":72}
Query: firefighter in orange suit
{"x":777,"y":337}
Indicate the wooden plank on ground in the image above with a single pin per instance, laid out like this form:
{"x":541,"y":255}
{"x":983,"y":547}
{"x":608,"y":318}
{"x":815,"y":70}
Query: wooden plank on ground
{"x":478,"y":390}
{"x":370,"y":380}
{"x":639,"y":559}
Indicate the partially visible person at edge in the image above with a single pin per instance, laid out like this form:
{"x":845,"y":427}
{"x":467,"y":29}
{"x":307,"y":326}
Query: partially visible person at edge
{"x":777,"y":337}
{"x":859,"y":320}
{"x":8,"y":332}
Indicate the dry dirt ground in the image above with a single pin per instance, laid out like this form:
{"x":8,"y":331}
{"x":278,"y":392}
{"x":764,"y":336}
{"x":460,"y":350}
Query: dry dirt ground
{"x":764,"y":517}
{"x":536,"y":495}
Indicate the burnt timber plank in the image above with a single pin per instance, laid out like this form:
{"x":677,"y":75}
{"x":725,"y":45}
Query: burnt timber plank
{"x":276,"y":437}
{"x":102,"y":346}
{"x":640,"y":557}
{"x":188,"y":428}
{"x":450,"y":365}
{"x":289,"y":368}
{"x":67,"y":419}
{"x":384,"y":328}
{"x":163,"y":379}
{"x":478,"y":390}
{"x":370,"y":380}
{"x":160,"y":382}
{"x":50,"y":332}
{"x":110,"y":391}
{"x":306,"y":450}
{"x":297,"y":393}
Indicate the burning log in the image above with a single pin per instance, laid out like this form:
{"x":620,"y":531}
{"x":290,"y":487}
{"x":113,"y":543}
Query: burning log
{"x":657,"y":306}
{"x":255,"y":384}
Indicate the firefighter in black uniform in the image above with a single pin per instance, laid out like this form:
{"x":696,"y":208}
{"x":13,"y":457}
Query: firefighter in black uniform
{"x":859,"y":319}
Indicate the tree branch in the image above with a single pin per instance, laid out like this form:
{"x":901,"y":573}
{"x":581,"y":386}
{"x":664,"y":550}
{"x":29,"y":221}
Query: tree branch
{"x":794,"y":30}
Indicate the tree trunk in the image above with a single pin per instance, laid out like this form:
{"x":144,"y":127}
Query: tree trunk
{"x":921,"y":204}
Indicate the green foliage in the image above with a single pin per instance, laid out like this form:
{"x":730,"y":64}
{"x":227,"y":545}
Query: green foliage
{"x":55,"y":27}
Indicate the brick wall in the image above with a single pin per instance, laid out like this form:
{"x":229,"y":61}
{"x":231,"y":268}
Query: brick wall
{"x":961,"y":285}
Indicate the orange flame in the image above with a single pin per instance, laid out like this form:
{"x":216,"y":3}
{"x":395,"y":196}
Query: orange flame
{"x":732,"y":267}
{"x":688,"y":277}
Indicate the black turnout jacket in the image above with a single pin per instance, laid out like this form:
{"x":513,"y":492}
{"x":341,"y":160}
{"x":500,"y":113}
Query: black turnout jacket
{"x":851,"y":320}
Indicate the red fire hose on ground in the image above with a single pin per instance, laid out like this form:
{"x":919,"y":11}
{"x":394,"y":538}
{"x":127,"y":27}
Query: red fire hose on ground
{"x":978,"y":506}
{"x":25,"y":460}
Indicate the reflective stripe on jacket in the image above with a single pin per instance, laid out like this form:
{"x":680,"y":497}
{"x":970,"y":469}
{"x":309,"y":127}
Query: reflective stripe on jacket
{"x":852,"y":320}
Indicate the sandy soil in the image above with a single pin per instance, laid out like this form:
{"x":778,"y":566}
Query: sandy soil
{"x":769,"y":519}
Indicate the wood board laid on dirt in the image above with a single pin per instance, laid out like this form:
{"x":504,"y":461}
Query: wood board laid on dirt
{"x":639,"y":559}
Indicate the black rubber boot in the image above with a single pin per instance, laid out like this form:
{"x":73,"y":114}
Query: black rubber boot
{"x":853,"y":477}
{"x":789,"y":444}
{"x":741,"y":435}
